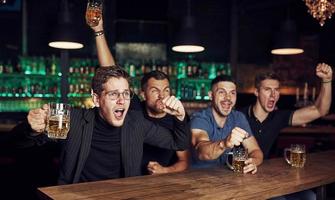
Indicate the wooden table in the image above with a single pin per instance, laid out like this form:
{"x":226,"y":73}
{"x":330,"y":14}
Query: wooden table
{"x":274,"y":178}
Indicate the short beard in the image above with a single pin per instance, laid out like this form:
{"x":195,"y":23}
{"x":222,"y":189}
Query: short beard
{"x":218,"y":111}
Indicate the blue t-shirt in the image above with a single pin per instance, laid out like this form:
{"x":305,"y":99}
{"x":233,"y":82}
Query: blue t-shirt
{"x":204,"y":120}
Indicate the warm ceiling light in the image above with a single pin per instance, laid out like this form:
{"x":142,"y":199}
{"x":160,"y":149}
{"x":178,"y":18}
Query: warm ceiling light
{"x":188,"y":48}
{"x":65,"y":45}
{"x":287,"y":51}
{"x":321,"y":9}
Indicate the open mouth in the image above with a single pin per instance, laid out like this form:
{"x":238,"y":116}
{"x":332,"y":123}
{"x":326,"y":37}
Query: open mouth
{"x":271,"y":104}
{"x":118,"y":113}
{"x":226,"y":105}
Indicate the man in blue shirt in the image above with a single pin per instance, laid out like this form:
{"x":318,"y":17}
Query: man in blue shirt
{"x":217,"y":129}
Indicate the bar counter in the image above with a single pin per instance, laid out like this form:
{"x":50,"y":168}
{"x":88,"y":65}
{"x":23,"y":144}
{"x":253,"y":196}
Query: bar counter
{"x":274,"y":178}
{"x":309,"y":130}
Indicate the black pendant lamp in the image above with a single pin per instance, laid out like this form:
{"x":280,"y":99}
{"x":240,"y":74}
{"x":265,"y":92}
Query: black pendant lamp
{"x":187,"y":40}
{"x":64,"y":35}
{"x":286,"y":41}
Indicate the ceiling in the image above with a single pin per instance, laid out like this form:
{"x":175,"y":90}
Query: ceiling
{"x":157,"y":21}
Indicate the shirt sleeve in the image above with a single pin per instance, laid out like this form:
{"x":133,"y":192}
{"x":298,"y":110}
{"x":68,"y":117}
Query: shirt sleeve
{"x":199,"y":121}
{"x":286,"y":118}
{"x":176,"y":139}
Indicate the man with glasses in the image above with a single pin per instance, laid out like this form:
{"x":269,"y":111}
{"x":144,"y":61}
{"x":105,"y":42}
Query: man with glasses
{"x":106,"y":142}
{"x":218,"y":128}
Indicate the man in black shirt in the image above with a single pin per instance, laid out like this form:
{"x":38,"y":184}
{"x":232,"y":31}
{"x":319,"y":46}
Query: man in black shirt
{"x":107,"y":141}
{"x":266,"y":120}
{"x":155,"y":87}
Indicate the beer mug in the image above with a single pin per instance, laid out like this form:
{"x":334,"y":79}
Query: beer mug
{"x":297,"y":155}
{"x":93,"y":12}
{"x":239,"y":156}
{"x":58,"y":120}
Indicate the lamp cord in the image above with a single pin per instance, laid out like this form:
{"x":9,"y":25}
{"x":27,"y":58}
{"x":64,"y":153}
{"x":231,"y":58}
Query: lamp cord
{"x":188,"y":7}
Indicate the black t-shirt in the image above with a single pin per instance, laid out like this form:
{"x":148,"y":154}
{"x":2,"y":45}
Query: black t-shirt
{"x":164,"y":157}
{"x":266,"y":132}
{"x":104,"y":159}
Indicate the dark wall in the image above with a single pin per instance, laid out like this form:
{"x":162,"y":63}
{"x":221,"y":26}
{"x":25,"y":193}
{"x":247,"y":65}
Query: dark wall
{"x":258,"y":21}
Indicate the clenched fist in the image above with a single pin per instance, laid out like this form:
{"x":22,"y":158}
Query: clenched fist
{"x":37,"y":118}
{"x":324,"y":72}
{"x":173,"y":106}
{"x":236,"y":137}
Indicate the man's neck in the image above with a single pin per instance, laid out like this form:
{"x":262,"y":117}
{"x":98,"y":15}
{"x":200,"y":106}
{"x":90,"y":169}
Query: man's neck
{"x":259,"y":112}
{"x":220,"y":120}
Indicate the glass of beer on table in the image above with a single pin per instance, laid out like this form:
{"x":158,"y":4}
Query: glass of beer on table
{"x":58,"y":120}
{"x":239,"y":156}
{"x":297,"y":156}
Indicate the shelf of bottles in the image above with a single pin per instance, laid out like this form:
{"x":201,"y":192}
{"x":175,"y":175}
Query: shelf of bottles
{"x":189,"y":80}
{"x":34,"y":81}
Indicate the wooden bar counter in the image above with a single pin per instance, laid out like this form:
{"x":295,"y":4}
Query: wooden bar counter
{"x":274,"y":178}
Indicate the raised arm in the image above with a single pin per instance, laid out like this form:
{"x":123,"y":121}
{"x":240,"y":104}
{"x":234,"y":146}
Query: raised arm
{"x":105,"y":56}
{"x":322,"y":103}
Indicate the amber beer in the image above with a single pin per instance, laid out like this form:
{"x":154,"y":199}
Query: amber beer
{"x":93,"y":12}
{"x":298,"y":158}
{"x":58,"y":121}
{"x":238,"y":165}
{"x":58,"y":127}
{"x":239,"y":156}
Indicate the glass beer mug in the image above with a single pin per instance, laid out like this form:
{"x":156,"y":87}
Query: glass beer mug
{"x":93,"y":12}
{"x":297,"y":155}
{"x":58,"y":120}
{"x":239,"y":156}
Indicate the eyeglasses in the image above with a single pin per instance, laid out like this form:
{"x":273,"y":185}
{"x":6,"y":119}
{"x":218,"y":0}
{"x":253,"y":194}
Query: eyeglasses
{"x":113,"y":95}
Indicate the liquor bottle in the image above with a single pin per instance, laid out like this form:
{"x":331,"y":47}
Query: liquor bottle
{"x":53,"y":67}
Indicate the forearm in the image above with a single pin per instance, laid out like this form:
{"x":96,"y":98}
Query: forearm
{"x":105,"y":56}
{"x":257,"y":156}
{"x":323,"y":101}
{"x":179,"y":166}
{"x":208,"y":150}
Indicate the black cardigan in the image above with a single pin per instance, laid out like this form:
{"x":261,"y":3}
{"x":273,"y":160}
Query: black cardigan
{"x":135,"y":131}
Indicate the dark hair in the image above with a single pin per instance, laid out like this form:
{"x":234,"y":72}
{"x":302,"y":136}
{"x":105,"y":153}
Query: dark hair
{"x":221,"y":78}
{"x":158,"y":75}
{"x":263,"y":76}
{"x":103,"y":74}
